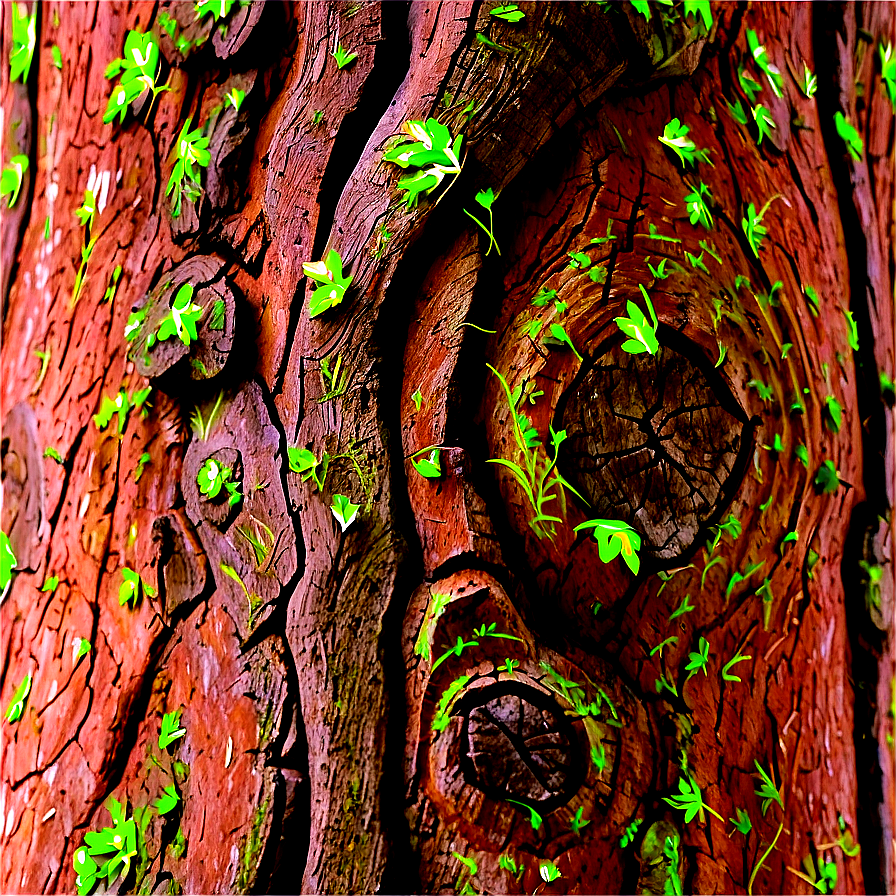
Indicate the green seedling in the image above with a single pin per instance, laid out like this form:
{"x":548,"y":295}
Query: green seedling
{"x":316,"y":117}
{"x":235,"y":98}
{"x":764,"y":122}
{"x":557,"y":336}
{"x":730,"y":527}
{"x":132,"y":587}
{"x":252,"y":599}
{"x":417,"y":398}
{"x":456,"y":650}
{"x":217,"y":319}
{"x":760,"y":57}
{"x":809,"y":84}
{"x":120,"y":840}
{"x":485,"y":41}
{"x":24,"y":40}
{"x":429,"y":467}
{"x":510,"y":13}
{"x":833,"y":414}
{"x":698,"y":660}
{"x":87,"y":211}
{"x":658,"y":272}
{"x":213,"y":477}
{"x":486,"y":199}
{"x":53,"y":454}
{"x":696,"y":262}
{"x":852,"y":330}
{"x":641,"y":335}
{"x":684,"y":607}
{"x":44,"y":358}
{"x":654,"y":234}
{"x":675,"y":136}
{"x":690,"y":801}
{"x":548,"y":871}
{"x":850,"y":136}
{"x":7,"y":562}
{"x":446,"y":701}
{"x":888,"y":70}
{"x":343,"y":57}
{"x":218,"y":8}
{"x":577,"y":823}
{"x":334,"y":383}
{"x":328,"y":273}
{"x":17,"y":706}
{"x":463,"y":886}
{"x":138,"y":70}
{"x":659,"y":647}
{"x":710,"y":250}
{"x":823,"y":878}
{"x":742,"y":823}
{"x":628,"y":835}
{"x":260,"y":539}
{"x":726,"y":669}
{"x":767,"y":791}
{"x":736,"y":111}
{"x":615,"y":538}
{"x":80,"y":277}
{"x":748,"y":84}
{"x":766,"y":393}
{"x":801,"y":452}
{"x":697,"y":206}
{"x":307,"y":465}
{"x":432,"y":153}
{"x":663,"y":682}
{"x":534,"y":818}
{"x":437,"y":605}
{"x":537,"y":476}
{"x":192,"y":154}
{"x":768,"y":598}
{"x":167,"y":801}
{"x":508,"y":666}
{"x":344,"y":511}
{"x":80,"y":647}
{"x":112,"y":288}
{"x":753,"y":227}
{"x":790,"y":538}
{"x":13,"y":174}
{"x":827,"y":479}
{"x":700,"y":9}
{"x":508,"y":863}
{"x":201,"y":426}
{"x":723,"y":351}
{"x":51,"y":584}
{"x":170,"y":731}
{"x":488,"y":631}
{"x":182,"y":319}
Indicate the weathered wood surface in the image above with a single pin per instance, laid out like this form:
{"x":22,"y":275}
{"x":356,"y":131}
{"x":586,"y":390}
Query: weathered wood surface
{"x":311,"y":759}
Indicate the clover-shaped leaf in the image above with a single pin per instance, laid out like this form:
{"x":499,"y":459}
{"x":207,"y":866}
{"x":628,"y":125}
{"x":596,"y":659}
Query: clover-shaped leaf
{"x":344,"y":511}
{"x":182,"y":318}
{"x":333,"y":284}
{"x":614,"y":538}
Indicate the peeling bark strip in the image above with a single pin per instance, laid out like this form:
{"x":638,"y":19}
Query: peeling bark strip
{"x":467,"y":688}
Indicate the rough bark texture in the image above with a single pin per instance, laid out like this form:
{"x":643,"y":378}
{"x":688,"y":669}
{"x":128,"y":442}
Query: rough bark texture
{"x":364,"y":708}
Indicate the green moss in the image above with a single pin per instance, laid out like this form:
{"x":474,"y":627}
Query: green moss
{"x":250,"y":850}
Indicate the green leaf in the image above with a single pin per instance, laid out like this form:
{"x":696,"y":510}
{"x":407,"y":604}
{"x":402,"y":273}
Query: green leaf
{"x":548,"y":870}
{"x":432,"y":153}
{"x":675,"y":136}
{"x":17,"y":706}
{"x":334,"y":284}
{"x":558,"y":336}
{"x":53,"y":454}
{"x":684,"y":607}
{"x":697,"y":205}
{"x":888,"y":70}
{"x":701,"y":9}
{"x":80,"y":647}
{"x":235,"y":98}
{"x":696,"y":262}
{"x":767,"y":789}
{"x":212,"y":476}
{"x":216,"y":321}
{"x":344,"y":511}
{"x":809,"y":84}
{"x":850,"y":137}
{"x":7,"y":562}
{"x":51,"y":584}
{"x":699,"y":659}
{"x":428,"y":467}
{"x":736,"y":111}
{"x":764,"y":121}
{"x":742,"y":823}
{"x":132,"y":587}
{"x":726,"y":669}
{"x":509,"y":13}
{"x":688,"y":800}
{"x":833,"y":413}
{"x":168,"y":801}
{"x":642,"y":336}
{"x":642,"y":7}
{"x":827,"y":478}
{"x":615,"y":538}
{"x":343,"y":57}
{"x":441,"y":718}
{"x":760,"y":57}
{"x":534,"y":818}
{"x":13,"y":175}
{"x":852,"y":330}
{"x":218,"y":8}
{"x":24,"y":40}
{"x":182,"y":318}
{"x":170,"y":731}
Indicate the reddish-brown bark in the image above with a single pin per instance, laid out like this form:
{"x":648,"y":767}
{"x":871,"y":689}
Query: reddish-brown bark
{"x":322,"y":752}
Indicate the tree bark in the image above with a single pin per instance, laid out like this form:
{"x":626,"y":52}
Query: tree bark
{"x":450,"y":678}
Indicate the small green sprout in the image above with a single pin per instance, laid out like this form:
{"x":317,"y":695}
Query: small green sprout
{"x":167,"y":801}
{"x":253,"y":599}
{"x":766,"y":393}
{"x":659,"y":647}
{"x":24,"y":40}
{"x":827,"y":479}
{"x":675,"y":136}
{"x":80,"y":647}
{"x":642,"y":7}
{"x":726,"y":669}
{"x":138,"y":69}
{"x":51,"y":584}
{"x":697,"y":206}
{"x":122,"y":405}
{"x":690,"y":801}
{"x":887,"y":388}
{"x":510,"y":13}
{"x":833,"y":414}
{"x":628,"y":835}
{"x":181,"y":320}
{"x":658,"y":272}
{"x":753,"y":227}
{"x":852,"y":330}
{"x":760,"y":57}
{"x":344,"y":511}
{"x":549,"y":871}
{"x":487,"y":42}
{"x":768,"y":598}
{"x":417,"y":398}
{"x":334,"y":385}
{"x":696,"y":262}
{"x":190,"y":150}
{"x":53,"y":454}
{"x":684,"y":607}
{"x":132,"y":587}
{"x":615,"y":537}
{"x":599,"y":757}
{"x":742,"y":823}
{"x":642,"y":336}
{"x":7,"y":562}
{"x":120,"y":840}
{"x":456,"y":650}
{"x":170,"y":731}
{"x":428,"y":467}
{"x":317,"y":116}
{"x":723,"y":351}
{"x":534,"y":818}
{"x":764,"y":121}
{"x":343,"y":57}
{"x":17,"y":706}
{"x":809,"y":84}
{"x":663,"y":682}
{"x":87,"y":211}
{"x":558,"y":337}
{"x":699,"y":659}
{"x":736,"y":111}
{"x":508,"y":863}
{"x":112,"y":288}
{"x":508,"y":666}
{"x":218,"y":8}
{"x":307,"y":465}
{"x":801,"y":452}
{"x":888,"y":70}
{"x":432,"y":153}
{"x":216,"y":321}
{"x":213,"y":476}
{"x":260,"y":537}
{"x":333,"y":284}
{"x":486,"y":199}
{"x":488,"y":631}
{"x":767,"y":789}
{"x":850,"y":136}
{"x":654,"y":234}
{"x":235,"y":98}
{"x":13,"y":175}
{"x":577,"y":823}
{"x":750,"y":86}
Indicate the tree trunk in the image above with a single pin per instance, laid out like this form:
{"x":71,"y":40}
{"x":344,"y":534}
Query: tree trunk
{"x":459,"y":691}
